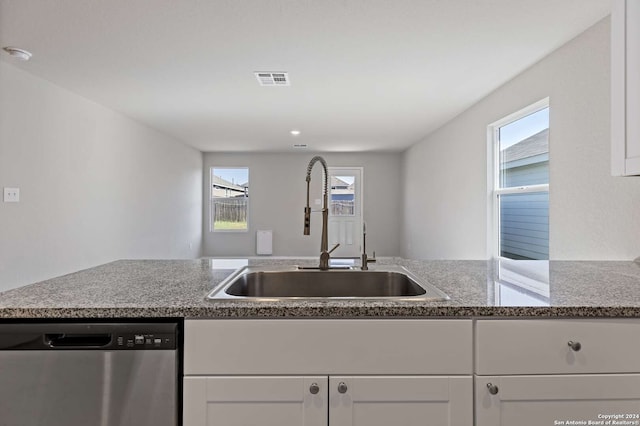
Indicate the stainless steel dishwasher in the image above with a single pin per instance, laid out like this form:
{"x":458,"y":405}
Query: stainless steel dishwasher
{"x":89,"y":374}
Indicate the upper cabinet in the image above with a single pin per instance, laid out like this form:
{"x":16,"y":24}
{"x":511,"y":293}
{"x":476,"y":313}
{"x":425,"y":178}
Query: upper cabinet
{"x":625,"y":88}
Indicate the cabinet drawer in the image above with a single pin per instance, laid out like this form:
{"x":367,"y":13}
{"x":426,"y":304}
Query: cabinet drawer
{"x":319,"y":346}
{"x":542,"y":346}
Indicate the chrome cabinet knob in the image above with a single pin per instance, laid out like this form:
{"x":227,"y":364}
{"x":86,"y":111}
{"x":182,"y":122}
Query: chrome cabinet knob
{"x":575,"y":346}
{"x":342,"y":387}
{"x":314,"y":388}
{"x":493,"y":389}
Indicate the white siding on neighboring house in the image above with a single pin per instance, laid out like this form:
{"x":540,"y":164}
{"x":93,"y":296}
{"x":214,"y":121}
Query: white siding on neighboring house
{"x":524,"y":230}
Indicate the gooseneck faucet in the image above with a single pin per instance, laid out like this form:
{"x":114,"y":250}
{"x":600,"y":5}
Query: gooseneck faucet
{"x":325,"y":254}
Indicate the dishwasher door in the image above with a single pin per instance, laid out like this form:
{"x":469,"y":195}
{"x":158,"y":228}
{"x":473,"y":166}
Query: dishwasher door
{"x":88,"y":375}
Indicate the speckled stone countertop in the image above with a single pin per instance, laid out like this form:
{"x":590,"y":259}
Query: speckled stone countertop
{"x":178,"y":288}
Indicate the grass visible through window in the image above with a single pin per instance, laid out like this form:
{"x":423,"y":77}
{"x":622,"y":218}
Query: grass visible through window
{"x":226,"y":226}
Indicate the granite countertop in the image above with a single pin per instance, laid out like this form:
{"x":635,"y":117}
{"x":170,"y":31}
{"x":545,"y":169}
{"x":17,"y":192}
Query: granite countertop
{"x":177,"y":288}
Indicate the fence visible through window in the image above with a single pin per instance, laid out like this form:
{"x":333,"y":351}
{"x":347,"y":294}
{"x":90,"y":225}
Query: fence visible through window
{"x":230,"y":210}
{"x":343,"y":208}
{"x":229,"y":199}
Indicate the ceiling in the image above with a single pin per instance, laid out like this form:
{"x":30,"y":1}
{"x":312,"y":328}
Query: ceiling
{"x":365,"y":74}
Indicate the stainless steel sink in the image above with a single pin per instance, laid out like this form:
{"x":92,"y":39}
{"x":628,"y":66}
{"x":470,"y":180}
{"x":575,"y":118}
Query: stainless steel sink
{"x":291,"y":282}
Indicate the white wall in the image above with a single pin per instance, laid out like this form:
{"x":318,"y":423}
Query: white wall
{"x":95,"y":186}
{"x":278,"y":197}
{"x":592,"y":215}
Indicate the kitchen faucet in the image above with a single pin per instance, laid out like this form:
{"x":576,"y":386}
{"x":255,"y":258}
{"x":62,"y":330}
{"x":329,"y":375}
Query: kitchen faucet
{"x":325,"y":253}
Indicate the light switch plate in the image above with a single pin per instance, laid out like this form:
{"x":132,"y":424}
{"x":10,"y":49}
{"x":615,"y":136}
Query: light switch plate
{"x":12,"y":195}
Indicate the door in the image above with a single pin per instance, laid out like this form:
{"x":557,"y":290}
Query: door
{"x":345,"y":210}
{"x":553,"y":400}
{"x":264,"y":401}
{"x":400,"y":400}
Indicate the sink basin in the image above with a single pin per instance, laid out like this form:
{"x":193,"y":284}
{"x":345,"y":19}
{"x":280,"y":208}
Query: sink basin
{"x":383,"y":282}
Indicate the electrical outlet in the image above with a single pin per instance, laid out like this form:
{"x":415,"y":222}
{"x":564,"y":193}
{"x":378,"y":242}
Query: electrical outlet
{"x":12,"y":195}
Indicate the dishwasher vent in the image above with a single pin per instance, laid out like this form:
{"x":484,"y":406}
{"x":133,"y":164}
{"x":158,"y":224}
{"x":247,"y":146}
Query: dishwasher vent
{"x":271,"y":78}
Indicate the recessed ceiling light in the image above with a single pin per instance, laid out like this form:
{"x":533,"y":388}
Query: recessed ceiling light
{"x":295,"y":132}
{"x":17,"y":53}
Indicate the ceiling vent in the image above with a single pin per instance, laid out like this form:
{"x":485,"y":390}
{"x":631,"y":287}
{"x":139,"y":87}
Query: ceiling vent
{"x":270,"y":78}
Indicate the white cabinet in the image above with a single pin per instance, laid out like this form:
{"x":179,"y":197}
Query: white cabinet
{"x":546,"y":372}
{"x":553,"y":400}
{"x":325,"y":347}
{"x":265,"y":401}
{"x":625,"y":88}
{"x":400,"y":400}
{"x":328,"y":372}
{"x":346,"y":401}
{"x":528,"y":372}
{"x":542,"y":346}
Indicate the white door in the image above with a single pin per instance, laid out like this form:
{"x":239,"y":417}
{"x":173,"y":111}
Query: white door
{"x":259,"y":401}
{"x":554,"y":400}
{"x":345,"y":211}
{"x":400,"y":400}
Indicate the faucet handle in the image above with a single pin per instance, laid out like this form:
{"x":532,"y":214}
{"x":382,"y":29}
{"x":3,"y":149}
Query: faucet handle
{"x":334,"y":247}
{"x":372,"y":259}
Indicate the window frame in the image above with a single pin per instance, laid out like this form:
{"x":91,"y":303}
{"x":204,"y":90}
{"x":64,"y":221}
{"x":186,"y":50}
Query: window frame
{"x":493,"y":174}
{"x":211,"y":198}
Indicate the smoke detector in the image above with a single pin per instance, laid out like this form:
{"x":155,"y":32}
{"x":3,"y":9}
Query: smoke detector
{"x":17,"y":53}
{"x":271,"y":78}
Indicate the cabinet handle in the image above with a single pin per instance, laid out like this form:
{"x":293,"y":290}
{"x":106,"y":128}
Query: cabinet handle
{"x":342,"y":387}
{"x":314,"y":388}
{"x":493,"y":389}
{"x":575,"y":346}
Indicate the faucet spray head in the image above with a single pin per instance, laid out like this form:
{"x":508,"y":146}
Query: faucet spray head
{"x":307,"y":220}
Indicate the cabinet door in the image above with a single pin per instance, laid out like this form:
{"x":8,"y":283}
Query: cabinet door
{"x":625,"y":87}
{"x":400,"y":400}
{"x":247,"y":401}
{"x":554,"y":400}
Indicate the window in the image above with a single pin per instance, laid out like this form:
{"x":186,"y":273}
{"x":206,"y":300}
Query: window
{"x":519,"y":170}
{"x":229,"y":198}
{"x":343,"y":196}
